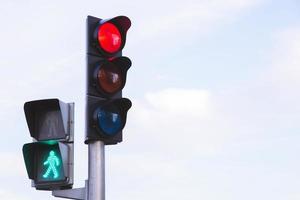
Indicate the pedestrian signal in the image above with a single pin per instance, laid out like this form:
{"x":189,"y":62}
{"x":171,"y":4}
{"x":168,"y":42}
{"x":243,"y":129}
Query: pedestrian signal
{"x":49,"y":161}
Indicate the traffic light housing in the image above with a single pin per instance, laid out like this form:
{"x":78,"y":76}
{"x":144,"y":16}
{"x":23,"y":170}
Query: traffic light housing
{"x":49,"y":159}
{"x":106,"y":110}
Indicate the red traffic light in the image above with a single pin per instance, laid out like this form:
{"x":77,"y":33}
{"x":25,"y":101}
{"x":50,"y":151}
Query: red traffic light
{"x":109,"y":38}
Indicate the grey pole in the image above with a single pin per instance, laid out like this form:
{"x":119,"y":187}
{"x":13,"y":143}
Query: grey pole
{"x":96,"y":176}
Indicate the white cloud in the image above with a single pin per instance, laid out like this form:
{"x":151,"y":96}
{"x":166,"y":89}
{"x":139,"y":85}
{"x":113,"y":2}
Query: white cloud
{"x":12,"y":165}
{"x":271,"y":97}
{"x":191,"y":102}
{"x":286,"y":58}
{"x":178,"y":120}
{"x":293,"y":196}
{"x":148,"y":164}
{"x":192,"y":17}
{"x":5,"y":194}
{"x":167,"y":129}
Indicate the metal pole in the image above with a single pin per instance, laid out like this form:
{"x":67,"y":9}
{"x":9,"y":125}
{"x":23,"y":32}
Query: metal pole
{"x":96,"y":176}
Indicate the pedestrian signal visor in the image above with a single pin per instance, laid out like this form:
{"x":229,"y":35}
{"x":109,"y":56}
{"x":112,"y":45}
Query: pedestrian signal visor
{"x":47,"y":119}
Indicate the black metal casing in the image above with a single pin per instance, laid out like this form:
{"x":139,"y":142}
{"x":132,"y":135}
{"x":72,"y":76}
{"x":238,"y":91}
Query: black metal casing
{"x":95,"y":96}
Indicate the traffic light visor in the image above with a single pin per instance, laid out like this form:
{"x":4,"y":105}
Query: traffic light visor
{"x":111,"y":118}
{"x":107,"y":35}
{"x":107,"y":78}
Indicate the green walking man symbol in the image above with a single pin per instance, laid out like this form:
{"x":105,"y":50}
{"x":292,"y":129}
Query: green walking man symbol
{"x":52,"y":162}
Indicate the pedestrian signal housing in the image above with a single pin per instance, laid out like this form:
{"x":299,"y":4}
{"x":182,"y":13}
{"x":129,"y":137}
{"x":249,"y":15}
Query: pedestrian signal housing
{"x":49,"y":160}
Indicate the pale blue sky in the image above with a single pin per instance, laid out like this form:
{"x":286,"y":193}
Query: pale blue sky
{"x":214,"y":85}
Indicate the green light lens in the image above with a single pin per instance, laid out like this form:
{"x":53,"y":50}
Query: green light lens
{"x":53,"y":164}
{"x":49,"y":164}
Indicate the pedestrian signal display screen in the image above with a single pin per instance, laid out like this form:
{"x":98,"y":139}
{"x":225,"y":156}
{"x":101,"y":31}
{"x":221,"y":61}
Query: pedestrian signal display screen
{"x":49,"y":164}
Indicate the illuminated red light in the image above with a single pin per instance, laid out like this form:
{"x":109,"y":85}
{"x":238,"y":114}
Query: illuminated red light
{"x":109,"y":38}
{"x":110,"y":79}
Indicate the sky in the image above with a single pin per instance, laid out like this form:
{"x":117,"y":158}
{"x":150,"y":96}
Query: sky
{"x":214,"y":86}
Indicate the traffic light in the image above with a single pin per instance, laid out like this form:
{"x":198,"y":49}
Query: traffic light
{"x":49,"y":159}
{"x":106,"y":110}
